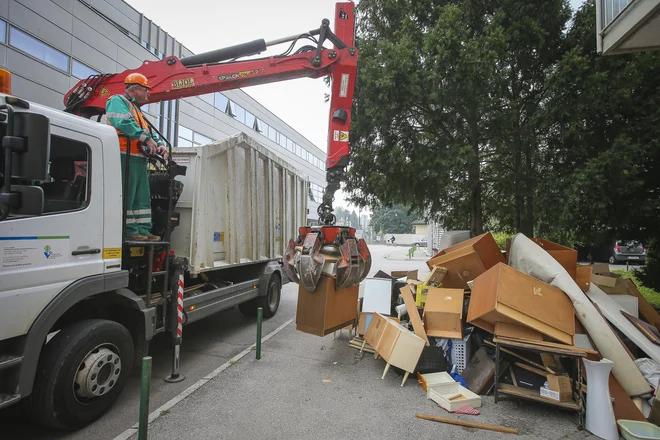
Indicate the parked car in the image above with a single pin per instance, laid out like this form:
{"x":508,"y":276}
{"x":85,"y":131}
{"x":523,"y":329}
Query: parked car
{"x":420,"y":243}
{"x":628,"y":250}
{"x":614,"y":252}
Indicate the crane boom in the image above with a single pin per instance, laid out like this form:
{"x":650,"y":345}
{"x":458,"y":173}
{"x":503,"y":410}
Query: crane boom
{"x":222,"y":69}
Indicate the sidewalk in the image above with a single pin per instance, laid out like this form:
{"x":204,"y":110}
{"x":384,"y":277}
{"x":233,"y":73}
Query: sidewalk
{"x":307,"y":387}
{"x":401,"y":253}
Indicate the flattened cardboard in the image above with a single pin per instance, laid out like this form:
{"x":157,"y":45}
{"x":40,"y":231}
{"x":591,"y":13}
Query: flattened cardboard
{"x":443,"y":313}
{"x":409,"y":274}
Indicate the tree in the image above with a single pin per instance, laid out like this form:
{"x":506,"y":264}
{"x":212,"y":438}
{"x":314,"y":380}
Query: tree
{"x":446,"y":95}
{"x":605,"y":144}
{"x":392,"y":220}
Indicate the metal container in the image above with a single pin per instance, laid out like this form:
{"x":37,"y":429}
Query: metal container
{"x":240,"y":204}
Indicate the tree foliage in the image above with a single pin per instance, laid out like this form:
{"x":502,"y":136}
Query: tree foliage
{"x":501,"y":115}
{"x":446,"y":102}
{"x":392,"y":220}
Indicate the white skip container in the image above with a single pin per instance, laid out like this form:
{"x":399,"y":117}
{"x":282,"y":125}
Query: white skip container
{"x":240,"y":204}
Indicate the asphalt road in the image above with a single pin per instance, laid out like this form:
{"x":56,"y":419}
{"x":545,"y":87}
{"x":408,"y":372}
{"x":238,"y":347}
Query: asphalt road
{"x":207,"y":344}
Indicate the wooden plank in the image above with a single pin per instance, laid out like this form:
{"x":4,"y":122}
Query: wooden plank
{"x":625,"y":347}
{"x":583,"y":277}
{"x":541,"y":373}
{"x":647,"y":329}
{"x":645,"y":308}
{"x":654,"y":417}
{"x":549,"y":347}
{"x":466,"y":423}
{"x":414,"y":314}
{"x":516,"y":355}
{"x":513,"y":376}
{"x":436,"y":276}
{"x":517,"y":332}
{"x":535,"y":395}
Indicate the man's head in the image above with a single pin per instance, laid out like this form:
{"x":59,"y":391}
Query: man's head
{"x":137,"y":86}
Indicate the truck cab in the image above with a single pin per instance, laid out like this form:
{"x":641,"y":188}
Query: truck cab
{"x":78,"y":304}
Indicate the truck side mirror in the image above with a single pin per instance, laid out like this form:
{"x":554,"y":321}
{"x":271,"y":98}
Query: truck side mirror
{"x":26,"y":149}
{"x":31,"y":200}
{"x":32,"y":162}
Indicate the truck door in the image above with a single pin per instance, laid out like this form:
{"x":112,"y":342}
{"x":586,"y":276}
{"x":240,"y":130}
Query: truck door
{"x":42,"y":255}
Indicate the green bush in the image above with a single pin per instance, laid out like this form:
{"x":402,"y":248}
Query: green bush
{"x":650,"y":273}
{"x":651,"y":295}
{"x":500,"y":239}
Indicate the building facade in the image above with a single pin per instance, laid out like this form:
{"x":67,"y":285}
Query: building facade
{"x":49,"y":45}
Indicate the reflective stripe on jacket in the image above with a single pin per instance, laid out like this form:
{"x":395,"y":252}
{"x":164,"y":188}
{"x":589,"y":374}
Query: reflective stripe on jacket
{"x":129,"y":121}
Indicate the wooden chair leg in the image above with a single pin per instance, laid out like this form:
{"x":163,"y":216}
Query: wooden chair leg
{"x":387,"y":367}
{"x":364,"y":342}
{"x":405,"y":377}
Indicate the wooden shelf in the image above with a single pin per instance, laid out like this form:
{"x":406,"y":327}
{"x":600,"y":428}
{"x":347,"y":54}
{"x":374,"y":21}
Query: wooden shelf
{"x":526,"y":393}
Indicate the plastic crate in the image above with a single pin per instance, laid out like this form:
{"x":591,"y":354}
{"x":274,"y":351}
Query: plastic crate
{"x":460,"y":353}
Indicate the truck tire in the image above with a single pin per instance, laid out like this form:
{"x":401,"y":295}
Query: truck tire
{"x":81,"y":373}
{"x":269,"y":303}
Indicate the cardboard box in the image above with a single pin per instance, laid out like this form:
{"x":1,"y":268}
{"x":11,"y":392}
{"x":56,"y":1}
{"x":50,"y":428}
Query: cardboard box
{"x":562,"y":386}
{"x":443,"y":313}
{"x":504,"y":294}
{"x":467,"y":260}
{"x":325,"y":310}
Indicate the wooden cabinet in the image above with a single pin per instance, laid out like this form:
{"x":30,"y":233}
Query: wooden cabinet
{"x":504,"y":294}
{"x":325,"y":310}
{"x":394,"y":343}
{"x":467,"y":260}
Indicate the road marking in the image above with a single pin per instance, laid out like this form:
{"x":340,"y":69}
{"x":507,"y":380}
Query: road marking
{"x":130,"y":432}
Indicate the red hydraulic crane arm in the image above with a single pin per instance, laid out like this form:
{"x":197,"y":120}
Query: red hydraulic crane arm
{"x":172,"y":78}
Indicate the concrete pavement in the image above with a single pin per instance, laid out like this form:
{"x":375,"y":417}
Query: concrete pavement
{"x":307,"y":387}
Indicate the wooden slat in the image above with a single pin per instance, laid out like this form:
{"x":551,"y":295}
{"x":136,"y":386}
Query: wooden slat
{"x":541,"y":373}
{"x":583,"y":277}
{"x":413,"y":313}
{"x":468,"y":424}
{"x":516,"y":355}
{"x":645,"y":308}
{"x":526,"y":393}
{"x":647,"y":329}
{"x":550,"y":347}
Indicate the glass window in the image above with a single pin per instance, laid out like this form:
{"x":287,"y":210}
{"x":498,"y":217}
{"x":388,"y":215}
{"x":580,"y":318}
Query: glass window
{"x":208,"y":98}
{"x":272,"y":134}
{"x":237,"y":112}
{"x":37,"y":49}
{"x":185,"y":133}
{"x":283,"y":140}
{"x":81,"y":71}
{"x":261,"y":126}
{"x":249,"y":119}
{"x":68,"y":184}
{"x":144,"y":44}
{"x":201,"y":139}
{"x":221,"y":102}
{"x":3,"y":31}
{"x":298,"y":150}
{"x":184,"y":143}
{"x":289,"y":145}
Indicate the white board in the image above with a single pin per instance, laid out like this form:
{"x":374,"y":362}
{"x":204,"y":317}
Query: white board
{"x":377,"y":296}
{"x":612,"y":311}
{"x":629,"y":303}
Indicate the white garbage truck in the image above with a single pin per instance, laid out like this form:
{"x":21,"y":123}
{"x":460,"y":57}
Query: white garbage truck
{"x":78,"y":302}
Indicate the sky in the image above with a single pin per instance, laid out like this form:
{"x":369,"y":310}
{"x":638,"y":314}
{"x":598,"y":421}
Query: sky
{"x":204,"y":25}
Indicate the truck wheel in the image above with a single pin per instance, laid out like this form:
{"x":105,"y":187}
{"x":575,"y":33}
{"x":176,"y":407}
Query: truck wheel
{"x":270,"y":302}
{"x":81,"y":373}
